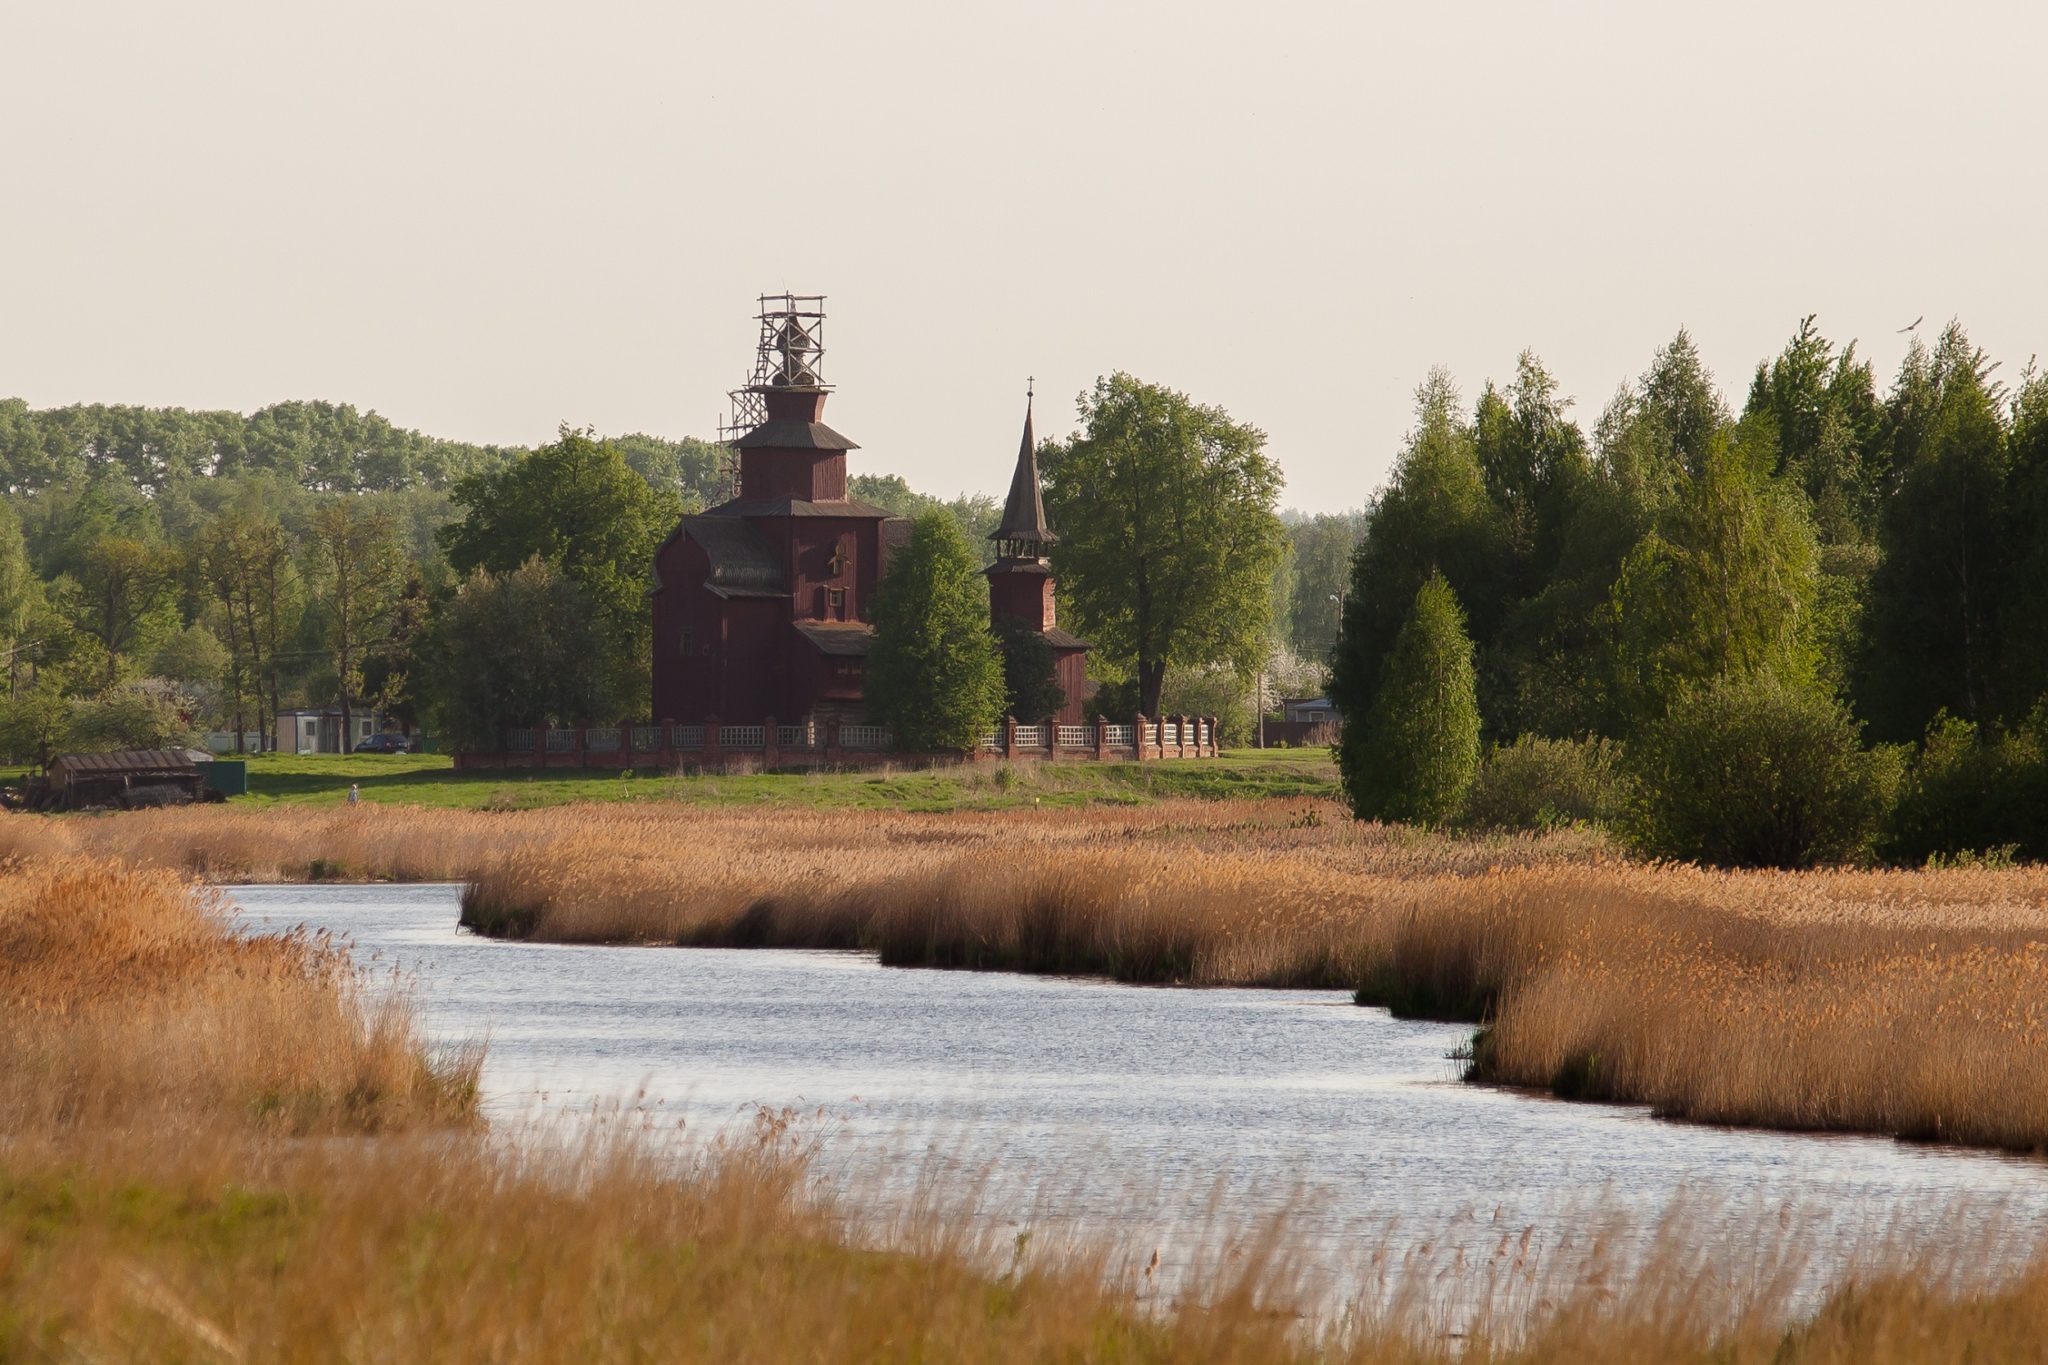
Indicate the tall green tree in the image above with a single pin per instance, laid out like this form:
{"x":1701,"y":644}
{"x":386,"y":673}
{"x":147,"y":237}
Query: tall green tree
{"x":1539,"y":476}
{"x":1933,"y":624}
{"x":1414,"y":754}
{"x":695,"y":471}
{"x":1533,"y":460}
{"x":579,"y":506}
{"x":1821,"y":413}
{"x":511,"y":649}
{"x":1323,"y":546}
{"x":20,"y":593}
{"x":126,"y":590}
{"x":1168,"y":535}
{"x":358,"y":574}
{"x":1648,"y":440}
{"x":1435,"y":519}
{"x":976,"y":514}
{"x":934,"y":674}
{"x":1725,"y":584}
{"x":2025,"y":609}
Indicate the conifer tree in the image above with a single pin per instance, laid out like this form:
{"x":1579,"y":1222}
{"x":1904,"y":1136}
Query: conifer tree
{"x":934,"y":676}
{"x":1932,"y":624}
{"x":1414,"y":755}
{"x":1434,"y":519}
{"x":1724,"y":584}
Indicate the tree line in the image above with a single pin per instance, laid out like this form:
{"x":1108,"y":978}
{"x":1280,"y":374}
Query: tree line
{"x":1800,"y":630}
{"x":165,"y":571}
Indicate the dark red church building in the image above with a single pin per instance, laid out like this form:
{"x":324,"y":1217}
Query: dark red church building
{"x":761,"y":603}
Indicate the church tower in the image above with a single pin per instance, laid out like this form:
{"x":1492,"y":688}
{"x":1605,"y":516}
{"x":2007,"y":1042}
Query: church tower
{"x":761,"y":604}
{"x":1020,"y":581}
{"x":1020,"y":585}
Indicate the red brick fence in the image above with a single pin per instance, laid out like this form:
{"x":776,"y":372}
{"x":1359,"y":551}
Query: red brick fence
{"x":832,"y":744}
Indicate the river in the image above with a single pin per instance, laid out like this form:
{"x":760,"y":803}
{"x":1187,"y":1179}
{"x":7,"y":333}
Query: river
{"x":1137,"y":1109}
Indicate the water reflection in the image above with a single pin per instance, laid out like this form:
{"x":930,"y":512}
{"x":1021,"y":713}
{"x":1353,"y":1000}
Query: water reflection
{"x":1133,"y":1106}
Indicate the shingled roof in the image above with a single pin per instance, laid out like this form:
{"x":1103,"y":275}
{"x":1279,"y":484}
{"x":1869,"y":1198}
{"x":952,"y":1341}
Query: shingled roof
{"x":1024,"y":512}
{"x":790,"y":434}
{"x":794,"y":507}
{"x":742,"y":565}
{"x":845,"y":639}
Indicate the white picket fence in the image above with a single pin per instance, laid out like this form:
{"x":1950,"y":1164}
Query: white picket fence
{"x":864,"y":737}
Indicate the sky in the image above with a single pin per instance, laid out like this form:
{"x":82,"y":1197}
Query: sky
{"x":486,"y":219}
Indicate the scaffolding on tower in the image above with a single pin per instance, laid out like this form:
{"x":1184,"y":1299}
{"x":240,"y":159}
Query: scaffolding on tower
{"x":787,"y":354}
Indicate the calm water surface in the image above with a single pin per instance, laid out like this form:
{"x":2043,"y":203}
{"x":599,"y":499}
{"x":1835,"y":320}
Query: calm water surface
{"x":1119,"y":1104}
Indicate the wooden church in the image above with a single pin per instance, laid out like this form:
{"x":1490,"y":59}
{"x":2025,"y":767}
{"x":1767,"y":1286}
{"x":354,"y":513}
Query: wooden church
{"x":761,"y":603}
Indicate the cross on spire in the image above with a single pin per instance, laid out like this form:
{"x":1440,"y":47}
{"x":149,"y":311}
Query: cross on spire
{"x":1023,"y":533}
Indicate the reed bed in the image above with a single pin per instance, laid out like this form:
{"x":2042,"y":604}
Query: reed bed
{"x":125,"y":998}
{"x":156,"y":1204}
{"x":1899,"y":1002}
{"x":460,"y":1250}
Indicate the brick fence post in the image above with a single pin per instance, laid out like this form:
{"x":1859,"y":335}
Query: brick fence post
{"x":771,"y":744}
{"x":712,"y":757}
{"x":1101,"y":737}
{"x":831,"y":740}
{"x":1009,"y":736}
{"x":1138,"y":736}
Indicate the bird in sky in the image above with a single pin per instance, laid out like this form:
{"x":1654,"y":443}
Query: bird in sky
{"x":1914,"y":323}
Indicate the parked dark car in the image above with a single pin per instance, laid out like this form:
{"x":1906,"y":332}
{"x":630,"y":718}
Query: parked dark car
{"x":385,"y":744}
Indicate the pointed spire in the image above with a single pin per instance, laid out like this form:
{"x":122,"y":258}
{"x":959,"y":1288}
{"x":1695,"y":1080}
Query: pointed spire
{"x":1023,"y":533}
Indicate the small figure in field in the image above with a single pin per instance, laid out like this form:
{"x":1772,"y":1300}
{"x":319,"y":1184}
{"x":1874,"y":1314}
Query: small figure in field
{"x":355,"y":794}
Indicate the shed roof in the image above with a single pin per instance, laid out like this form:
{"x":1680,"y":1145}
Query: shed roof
{"x":122,"y":763}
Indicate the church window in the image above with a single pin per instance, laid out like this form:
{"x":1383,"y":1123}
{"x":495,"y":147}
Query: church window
{"x":835,"y":603}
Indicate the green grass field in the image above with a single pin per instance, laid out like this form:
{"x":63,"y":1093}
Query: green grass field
{"x":431,"y":780}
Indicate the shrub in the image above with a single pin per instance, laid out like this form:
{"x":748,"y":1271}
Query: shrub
{"x":1211,"y":690}
{"x":513,"y":649}
{"x":1968,"y":795}
{"x":1538,"y":783}
{"x":1745,"y":771}
{"x":1414,"y":756}
{"x":127,"y":718}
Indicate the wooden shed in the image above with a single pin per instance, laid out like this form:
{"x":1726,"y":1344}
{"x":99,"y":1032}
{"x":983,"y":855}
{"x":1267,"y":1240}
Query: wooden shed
{"x":129,"y":778}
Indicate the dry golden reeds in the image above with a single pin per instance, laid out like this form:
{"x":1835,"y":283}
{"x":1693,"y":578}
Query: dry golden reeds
{"x":125,"y":998}
{"x":152,"y":1206}
{"x":1904,"y":1002}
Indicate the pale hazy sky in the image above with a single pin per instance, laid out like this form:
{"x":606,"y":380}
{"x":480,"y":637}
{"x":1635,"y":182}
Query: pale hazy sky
{"x":482,"y":219}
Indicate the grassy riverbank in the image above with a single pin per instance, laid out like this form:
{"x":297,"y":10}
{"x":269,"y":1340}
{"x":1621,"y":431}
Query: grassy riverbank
{"x":431,"y":780}
{"x":159,"y":1202}
{"x":1892,"y":1002}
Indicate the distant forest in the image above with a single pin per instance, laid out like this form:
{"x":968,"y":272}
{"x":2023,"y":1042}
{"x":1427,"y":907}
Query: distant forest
{"x":162,"y":568}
